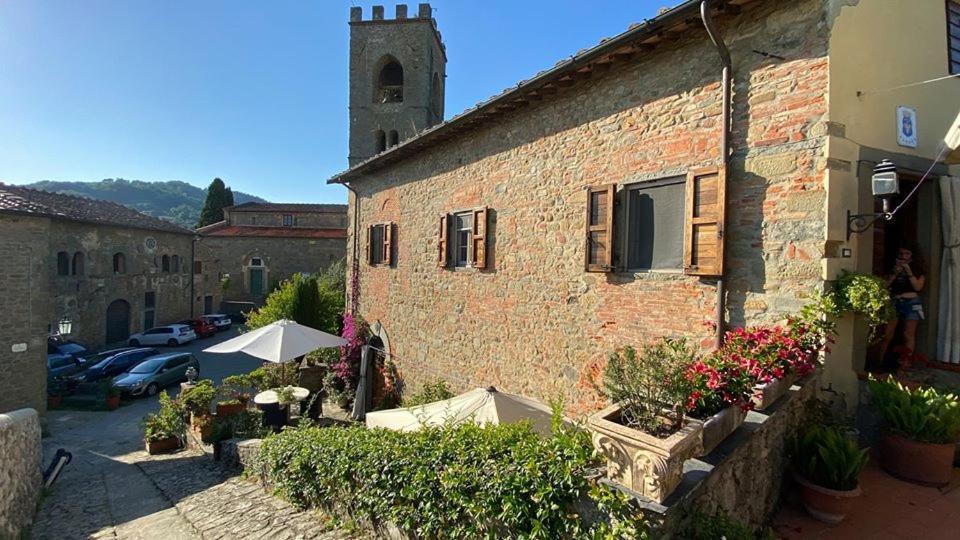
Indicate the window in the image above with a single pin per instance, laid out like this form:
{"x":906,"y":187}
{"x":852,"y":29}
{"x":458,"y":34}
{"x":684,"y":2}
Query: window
{"x":599,"y":232}
{"x":390,"y":83}
{"x":436,"y":96}
{"x":463,"y":239}
{"x":653,"y":225}
{"x":165,"y":263}
{"x":394,"y":138}
{"x":150,"y":299}
{"x":119,"y":263}
{"x":197,"y":267}
{"x":953,"y":35}
{"x":380,"y":244}
{"x":288,"y":220}
{"x":381,"y":141}
{"x":77,"y":267}
{"x":63,"y":264}
{"x":256,"y":261}
{"x":175,"y":264}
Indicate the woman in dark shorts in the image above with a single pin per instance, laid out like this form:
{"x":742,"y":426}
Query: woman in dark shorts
{"x":905,"y":282}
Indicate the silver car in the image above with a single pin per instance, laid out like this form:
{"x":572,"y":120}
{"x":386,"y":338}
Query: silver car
{"x":154,"y":373}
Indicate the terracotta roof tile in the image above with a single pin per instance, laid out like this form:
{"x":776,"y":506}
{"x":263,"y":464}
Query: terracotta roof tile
{"x":289,"y":207}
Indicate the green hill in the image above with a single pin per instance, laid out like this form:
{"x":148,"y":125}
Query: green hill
{"x":174,"y":201}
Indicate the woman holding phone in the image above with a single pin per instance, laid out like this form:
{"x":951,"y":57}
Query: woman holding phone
{"x":905,"y":282}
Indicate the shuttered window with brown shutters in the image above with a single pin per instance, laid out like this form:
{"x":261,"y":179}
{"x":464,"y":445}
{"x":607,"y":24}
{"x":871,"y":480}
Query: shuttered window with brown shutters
{"x":380,"y":244}
{"x":704,"y":235}
{"x":953,"y":35}
{"x":599,"y":228}
{"x":443,"y":255}
{"x":479,"y":240}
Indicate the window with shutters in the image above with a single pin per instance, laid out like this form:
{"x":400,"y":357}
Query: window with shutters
{"x":653,"y":225}
{"x":380,"y":244}
{"x":705,"y":210}
{"x":463,"y":239}
{"x":599,"y":230}
{"x":63,"y":264}
{"x":953,"y":35}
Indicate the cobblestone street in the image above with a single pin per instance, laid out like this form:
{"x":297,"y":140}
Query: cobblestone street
{"x":114,"y":489}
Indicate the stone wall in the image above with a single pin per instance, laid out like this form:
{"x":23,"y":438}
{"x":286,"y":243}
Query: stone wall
{"x":329,"y":220}
{"x":25,"y":312}
{"x":20,"y":475}
{"x":534,"y":322}
{"x":85,"y":297}
{"x":282,"y":258}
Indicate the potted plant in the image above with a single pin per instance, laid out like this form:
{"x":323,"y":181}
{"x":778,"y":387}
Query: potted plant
{"x":222,"y":430}
{"x":235,"y":395}
{"x":56,"y":388}
{"x":827,"y":464}
{"x":198,"y":399}
{"x":923,"y":426}
{"x":163,"y":430}
{"x":645,"y":435}
{"x":111,"y":394}
{"x":720,"y":388}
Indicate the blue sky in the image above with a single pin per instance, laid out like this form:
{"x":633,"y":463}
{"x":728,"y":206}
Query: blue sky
{"x":253,"y":92}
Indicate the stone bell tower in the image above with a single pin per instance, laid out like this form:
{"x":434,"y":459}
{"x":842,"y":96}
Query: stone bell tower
{"x":397,"y":71}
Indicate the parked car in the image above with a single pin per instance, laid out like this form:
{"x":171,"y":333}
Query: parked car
{"x":171,"y":335}
{"x":67,"y":348}
{"x":221,"y":321}
{"x":154,"y":373}
{"x":202,"y":327}
{"x":109,"y":364}
{"x":62,"y":366}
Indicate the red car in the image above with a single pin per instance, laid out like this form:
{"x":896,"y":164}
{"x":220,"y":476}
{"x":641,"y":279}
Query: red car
{"x":201,"y":327}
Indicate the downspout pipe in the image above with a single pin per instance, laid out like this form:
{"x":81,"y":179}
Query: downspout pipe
{"x":356,"y":243}
{"x":727,"y":74}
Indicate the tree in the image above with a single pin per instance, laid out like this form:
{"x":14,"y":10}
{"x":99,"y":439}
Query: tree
{"x":219,"y":196}
{"x":315,"y":300}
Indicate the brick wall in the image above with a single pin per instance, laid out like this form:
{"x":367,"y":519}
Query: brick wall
{"x":534,"y":322}
{"x":333,"y":220}
{"x":25,"y":311}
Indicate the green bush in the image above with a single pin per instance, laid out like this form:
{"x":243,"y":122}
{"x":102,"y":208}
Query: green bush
{"x":721,"y":526}
{"x":460,"y":481}
{"x":864,"y":294}
{"x":430,"y":392}
{"x":197,"y":400}
{"x":923,"y":414}
{"x":826,"y":457}
{"x":248,"y":424}
{"x":165,"y":423}
{"x":315,"y":300}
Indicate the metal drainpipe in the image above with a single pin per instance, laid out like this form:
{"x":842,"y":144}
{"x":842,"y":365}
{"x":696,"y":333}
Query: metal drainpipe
{"x":356,"y":240}
{"x":724,"y":146}
{"x":193,"y":275}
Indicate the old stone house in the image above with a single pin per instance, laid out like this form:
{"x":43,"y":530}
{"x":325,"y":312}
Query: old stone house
{"x":108,"y":269}
{"x":261,"y":244}
{"x":591,"y":206}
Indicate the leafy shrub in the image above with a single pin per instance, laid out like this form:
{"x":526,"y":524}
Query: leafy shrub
{"x":341,"y":381}
{"x":826,"y":457}
{"x":460,"y":481}
{"x":430,"y":392}
{"x":866,"y":295}
{"x":197,"y":400}
{"x":315,"y":300}
{"x":165,"y":423}
{"x":923,"y":414}
{"x":248,"y":424}
{"x":706,"y":527}
{"x":235,"y":389}
{"x":272,"y":376}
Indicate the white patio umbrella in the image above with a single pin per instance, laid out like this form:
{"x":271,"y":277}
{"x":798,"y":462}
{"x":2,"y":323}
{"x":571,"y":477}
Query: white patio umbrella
{"x":482,"y":406}
{"x":279,"y":342}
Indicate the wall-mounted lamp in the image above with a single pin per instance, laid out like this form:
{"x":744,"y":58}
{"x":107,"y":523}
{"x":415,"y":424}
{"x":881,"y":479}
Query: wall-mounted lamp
{"x":885,"y":184}
{"x":65,"y":326}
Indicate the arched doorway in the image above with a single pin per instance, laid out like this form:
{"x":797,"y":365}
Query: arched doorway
{"x":118,"y":321}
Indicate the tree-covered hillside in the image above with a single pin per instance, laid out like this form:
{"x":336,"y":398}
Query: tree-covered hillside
{"x":174,"y":201}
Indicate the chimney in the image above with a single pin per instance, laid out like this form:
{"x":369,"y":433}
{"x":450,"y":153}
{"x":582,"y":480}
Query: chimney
{"x":378,"y":13}
{"x":356,"y":14}
{"x":401,"y":11}
{"x":425,"y":12}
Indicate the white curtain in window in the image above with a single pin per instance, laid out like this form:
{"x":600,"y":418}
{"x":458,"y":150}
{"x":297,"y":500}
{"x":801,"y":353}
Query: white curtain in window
{"x":948,"y":335}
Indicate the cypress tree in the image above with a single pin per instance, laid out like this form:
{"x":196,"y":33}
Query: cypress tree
{"x":219,"y":196}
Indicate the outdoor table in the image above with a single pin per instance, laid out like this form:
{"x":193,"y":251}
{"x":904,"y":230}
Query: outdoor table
{"x":275,"y":415}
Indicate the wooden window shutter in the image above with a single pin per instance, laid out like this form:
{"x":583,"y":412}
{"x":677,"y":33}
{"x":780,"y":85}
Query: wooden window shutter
{"x":370,"y":244}
{"x":480,"y":237}
{"x":599,"y":230}
{"x":705,"y":210}
{"x":387,"y":257}
{"x":442,"y":252}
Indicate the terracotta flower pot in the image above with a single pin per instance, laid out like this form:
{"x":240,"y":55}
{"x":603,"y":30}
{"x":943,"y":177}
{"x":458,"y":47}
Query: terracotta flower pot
{"x":54,"y":401}
{"x":720,"y":426}
{"x":644,"y":463}
{"x":161,"y":446}
{"x":113,"y":402}
{"x":922,"y":463}
{"x":225,"y":410}
{"x":827,"y":505}
{"x":767,"y":394}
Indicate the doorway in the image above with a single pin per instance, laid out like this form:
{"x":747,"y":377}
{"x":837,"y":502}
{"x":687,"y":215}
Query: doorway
{"x":118,"y":321}
{"x":208,"y":304}
{"x":256,"y":281}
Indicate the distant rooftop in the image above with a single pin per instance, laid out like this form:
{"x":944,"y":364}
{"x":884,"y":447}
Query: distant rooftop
{"x":23,"y":200}
{"x":289,"y":207}
{"x":222,"y":228}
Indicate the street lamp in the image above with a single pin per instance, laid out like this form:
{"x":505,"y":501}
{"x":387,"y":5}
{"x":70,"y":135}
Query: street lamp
{"x":885,"y":183}
{"x":65,"y":326}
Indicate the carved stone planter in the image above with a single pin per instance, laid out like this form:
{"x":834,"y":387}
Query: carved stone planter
{"x":767,"y":394}
{"x":718,"y":427}
{"x":644,"y":463}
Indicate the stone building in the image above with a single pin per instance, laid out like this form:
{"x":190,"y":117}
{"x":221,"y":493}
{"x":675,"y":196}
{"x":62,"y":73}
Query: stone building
{"x":591,"y":206}
{"x":260,"y":244}
{"x":397,"y":72}
{"x":111,"y":270}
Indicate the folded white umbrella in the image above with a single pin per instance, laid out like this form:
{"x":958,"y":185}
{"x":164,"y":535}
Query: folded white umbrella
{"x":279,"y":341}
{"x":481,"y":406}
